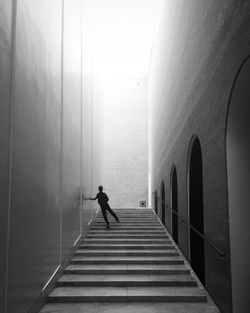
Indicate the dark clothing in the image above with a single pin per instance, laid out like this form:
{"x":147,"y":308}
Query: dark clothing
{"x":102,"y":198}
{"x":103,"y":202}
{"x":104,"y":213}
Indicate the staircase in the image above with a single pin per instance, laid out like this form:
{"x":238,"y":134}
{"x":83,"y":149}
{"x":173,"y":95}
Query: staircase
{"x":135,"y":261}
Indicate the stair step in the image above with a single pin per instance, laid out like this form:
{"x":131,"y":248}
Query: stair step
{"x":118,"y":253}
{"x":122,"y":246}
{"x":122,"y":241}
{"x":128,"y":260}
{"x":126,"y":224}
{"x":128,"y":228}
{"x":131,"y":214}
{"x":107,"y":235}
{"x":127,"y":280}
{"x":126,"y":231}
{"x":129,"y":219}
{"x":107,"y":269}
{"x":139,"y":213}
{"x":127,"y":294}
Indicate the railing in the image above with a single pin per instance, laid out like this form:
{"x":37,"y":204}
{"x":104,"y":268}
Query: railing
{"x":184,"y":220}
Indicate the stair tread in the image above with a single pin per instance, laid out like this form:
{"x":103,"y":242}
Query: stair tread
{"x":125,"y":234}
{"x":117,"y":252}
{"x":124,"y":267}
{"x":127,"y":258}
{"x":126,"y":291}
{"x":128,"y":231}
{"x":124,"y":242}
{"x":129,"y":244}
{"x":125,"y":277}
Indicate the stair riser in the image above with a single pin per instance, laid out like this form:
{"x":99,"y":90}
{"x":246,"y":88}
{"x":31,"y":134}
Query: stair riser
{"x":128,"y":224}
{"x":126,"y":242}
{"x":129,"y":220}
{"x":124,"y":236}
{"x":137,"y":216}
{"x":110,"y":247}
{"x":115,"y":232}
{"x":123,"y":272}
{"x":129,"y":215}
{"x":129,"y":253}
{"x":115,"y":228}
{"x":128,"y":299}
{"x":128,"y":284}
{"x":145,"y":261}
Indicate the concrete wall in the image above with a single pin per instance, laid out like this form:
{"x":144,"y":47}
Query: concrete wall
{"x":198,"y":50}
{"x":46,"y":144}
{"x":5,"y":113}
{"x":125,"y":138}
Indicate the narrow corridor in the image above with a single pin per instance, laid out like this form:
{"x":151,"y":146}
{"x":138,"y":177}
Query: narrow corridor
{"x":133,"y":267}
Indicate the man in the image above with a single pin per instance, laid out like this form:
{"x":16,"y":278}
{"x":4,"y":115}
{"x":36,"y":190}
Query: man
{"x":103,"y":202}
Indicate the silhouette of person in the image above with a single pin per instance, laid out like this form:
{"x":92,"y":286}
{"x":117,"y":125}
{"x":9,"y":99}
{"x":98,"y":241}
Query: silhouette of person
{"x":103,"y":202}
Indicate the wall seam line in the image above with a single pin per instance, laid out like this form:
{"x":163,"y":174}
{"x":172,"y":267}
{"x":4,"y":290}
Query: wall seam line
{"x":61,"y":139}
{"x":81,"y":127}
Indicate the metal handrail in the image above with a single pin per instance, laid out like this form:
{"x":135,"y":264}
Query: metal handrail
{"x":222,"y":254}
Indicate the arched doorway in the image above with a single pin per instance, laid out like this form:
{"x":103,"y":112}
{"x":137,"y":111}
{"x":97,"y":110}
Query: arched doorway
{"x":156,"y":202}
{"x":163,"y":203}
{"x":174,"y":203}
{"x":238,"y":172}
{"x":196,"y":211}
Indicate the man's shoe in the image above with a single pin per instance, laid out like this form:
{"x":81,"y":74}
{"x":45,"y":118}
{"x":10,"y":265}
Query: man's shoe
{"x":108,"y":227}
{"x":117,"y":221}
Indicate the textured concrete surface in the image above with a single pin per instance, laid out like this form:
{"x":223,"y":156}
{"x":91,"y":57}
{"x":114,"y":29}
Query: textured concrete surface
{"x":198,"y":51}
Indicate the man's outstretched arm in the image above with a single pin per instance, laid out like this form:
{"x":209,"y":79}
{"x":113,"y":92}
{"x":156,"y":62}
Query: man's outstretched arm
{"x":93,"y":198}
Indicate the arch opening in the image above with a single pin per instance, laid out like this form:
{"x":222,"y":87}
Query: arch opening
{"x":163,"y":212}
{"x":238,"y":169}
{"x":174,"y":204}
{"x":196,"y":210}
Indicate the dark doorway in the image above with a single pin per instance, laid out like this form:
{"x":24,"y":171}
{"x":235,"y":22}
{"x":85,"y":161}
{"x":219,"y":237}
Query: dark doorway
{"x":163,"y":203}
{"x":238,"y":173}
{"x":196,"y":212}
{"x":174,"y":204}
{"x":156,"y":202}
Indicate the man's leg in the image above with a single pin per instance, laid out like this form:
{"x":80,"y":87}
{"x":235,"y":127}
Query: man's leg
{"x":108,"y":208}
{"x":104,"y":213}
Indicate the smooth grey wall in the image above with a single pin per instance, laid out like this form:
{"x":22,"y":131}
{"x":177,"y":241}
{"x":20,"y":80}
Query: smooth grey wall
{"x":238,"y":161}
{"x":5,"y":113}
{"x":198,"y":50}
{"x":35,"y":225}
{"x":71,"y":125}
{"x":44,"y":139}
